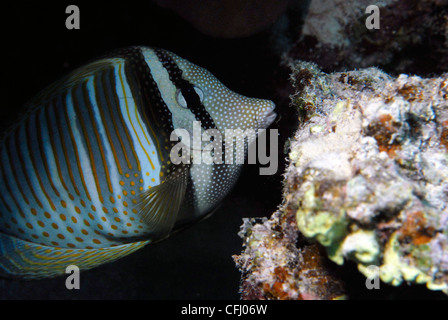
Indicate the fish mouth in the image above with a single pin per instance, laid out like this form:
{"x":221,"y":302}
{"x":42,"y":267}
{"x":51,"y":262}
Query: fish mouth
{"x":270,"y":117}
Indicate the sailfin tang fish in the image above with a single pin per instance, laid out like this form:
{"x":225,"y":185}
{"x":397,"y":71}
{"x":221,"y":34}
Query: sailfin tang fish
{"x":85,"y":174}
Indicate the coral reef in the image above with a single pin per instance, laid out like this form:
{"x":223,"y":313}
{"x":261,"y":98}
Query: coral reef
{"x":367,"y":180}
{"x":412,"y":35}
{"x":275,"y":268}
{"x":368,"y":174}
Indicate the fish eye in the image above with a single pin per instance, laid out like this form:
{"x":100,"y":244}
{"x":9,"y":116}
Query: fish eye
{"x":183,"y":102}
{"x":180,"y":99}
{"x":199,"y":93}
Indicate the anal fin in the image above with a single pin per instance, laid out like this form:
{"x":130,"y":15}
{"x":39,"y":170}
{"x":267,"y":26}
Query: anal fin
{"x":27,"y":260}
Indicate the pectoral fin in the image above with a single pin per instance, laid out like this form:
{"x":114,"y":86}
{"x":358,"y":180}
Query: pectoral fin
{"x":159,"y":206}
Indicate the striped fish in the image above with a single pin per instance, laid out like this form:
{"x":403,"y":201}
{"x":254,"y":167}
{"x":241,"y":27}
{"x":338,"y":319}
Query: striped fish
{"x":85,"y":175}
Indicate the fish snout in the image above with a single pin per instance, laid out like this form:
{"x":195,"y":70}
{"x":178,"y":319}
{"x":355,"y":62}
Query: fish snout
{"x":270,"y":116}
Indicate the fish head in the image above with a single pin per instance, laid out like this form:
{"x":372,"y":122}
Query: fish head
{"x":209,"y":101}
{"x":193,"y":94}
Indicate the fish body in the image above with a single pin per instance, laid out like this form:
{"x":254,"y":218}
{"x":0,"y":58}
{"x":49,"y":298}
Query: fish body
{"x":86,"y":175}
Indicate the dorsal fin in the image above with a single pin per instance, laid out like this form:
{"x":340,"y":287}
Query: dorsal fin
{"x":72,"y":79}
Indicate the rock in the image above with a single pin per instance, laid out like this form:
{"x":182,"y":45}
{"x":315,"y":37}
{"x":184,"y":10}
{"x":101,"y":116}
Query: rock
{"x":368,"y":173}
{"x":274,"y":268}
{"x":412,"y":35}
{"x":367,"y":181}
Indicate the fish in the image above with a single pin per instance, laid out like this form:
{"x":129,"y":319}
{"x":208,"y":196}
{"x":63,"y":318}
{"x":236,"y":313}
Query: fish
{"x":86,"y":175}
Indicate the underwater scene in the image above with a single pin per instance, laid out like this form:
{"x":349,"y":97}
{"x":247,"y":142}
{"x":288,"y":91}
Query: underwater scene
{"x":224,"y":150}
